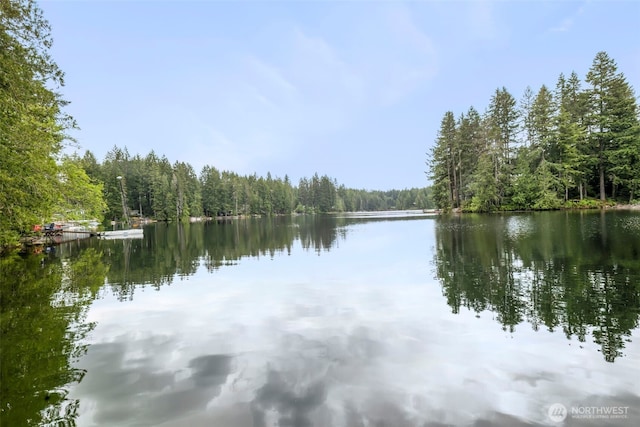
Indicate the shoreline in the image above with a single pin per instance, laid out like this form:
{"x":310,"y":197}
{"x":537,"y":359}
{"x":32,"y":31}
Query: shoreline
{"x":626,"y":206}
{"x":635,"y":207}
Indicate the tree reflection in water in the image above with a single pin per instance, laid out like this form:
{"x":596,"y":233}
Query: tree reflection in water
{"x":43,"y":303}
{"x":575,"y":271}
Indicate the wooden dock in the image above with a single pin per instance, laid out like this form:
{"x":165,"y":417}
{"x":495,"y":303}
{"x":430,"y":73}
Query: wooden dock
{"x":56,"y":237}
{"x":55,"y":234}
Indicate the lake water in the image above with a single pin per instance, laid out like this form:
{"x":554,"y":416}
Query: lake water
{"x":394,"y":320}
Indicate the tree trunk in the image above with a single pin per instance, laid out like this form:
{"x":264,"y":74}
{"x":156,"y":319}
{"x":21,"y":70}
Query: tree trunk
{"x":456,"y":198}
{"x":613,"y":190}
{"x":460,"y":180}
{"x":449,"y":180}
{"x":603,"y":195}
{"x":580,"y":190}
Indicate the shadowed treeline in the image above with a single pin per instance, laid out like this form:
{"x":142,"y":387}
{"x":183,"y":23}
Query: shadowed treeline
{"x":174,"y":250}
{"x":170,"y":251}
{"x":579,"y":273}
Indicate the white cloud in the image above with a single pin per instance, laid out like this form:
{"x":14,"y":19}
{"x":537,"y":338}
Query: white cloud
{"x":568,"y":22}
{"x":262,"y":108}
{"x":563,"y":27}
{"x":272,"y":73}
{"x":402,"y":24}
{"x":269,"y":77}
{"x":210,"y":146}
{"x":331,"y":90}
{"x":410,"y":59}
{"x":481,"y":22}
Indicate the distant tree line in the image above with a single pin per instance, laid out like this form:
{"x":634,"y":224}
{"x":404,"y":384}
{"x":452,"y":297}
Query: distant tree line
{"x":152,"y":186}
{"x":554,"y":148}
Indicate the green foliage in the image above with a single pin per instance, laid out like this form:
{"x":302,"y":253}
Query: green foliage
{"x":545,"y":185}
{"x":525,"y":189}
{"x":503,"y":117}
{"x":586,"y":204}
{"x":613,"y":124}
{"x":443,"y":162}
{"x":34,"y":184}
{"x":80,"y":198}
{"x":484,"y":187}
{"x":31,"y":120}
{"x":502,"y":128}
{"x":571,"y":141}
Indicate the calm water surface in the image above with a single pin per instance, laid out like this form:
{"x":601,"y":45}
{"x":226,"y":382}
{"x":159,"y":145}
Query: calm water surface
{"x":355,"y":320}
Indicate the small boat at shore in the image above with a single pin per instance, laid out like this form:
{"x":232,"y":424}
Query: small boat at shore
{"x":134,"y":233}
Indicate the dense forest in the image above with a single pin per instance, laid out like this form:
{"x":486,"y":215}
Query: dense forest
{"x":558,"y":147}
{"x":151,"y":186}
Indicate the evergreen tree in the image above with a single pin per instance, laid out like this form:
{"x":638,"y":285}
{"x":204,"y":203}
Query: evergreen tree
{"x":612,"y":117}
{"x":210,"y":182}
{"x":485,"y":184}
{"x":326,"y":195}
{"x":569,"y":137}
{"x":468,"y":148}
{"x":526,"y":115}
{"x":574,"y":140}
{"x":542,"y":124}
{"x":624,"y":154}
{"x":442,"y":164}
{"x":502,"y":120}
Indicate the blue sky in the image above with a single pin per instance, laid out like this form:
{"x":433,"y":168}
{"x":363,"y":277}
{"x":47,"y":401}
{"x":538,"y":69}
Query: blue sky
{"x":352,"y":89}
